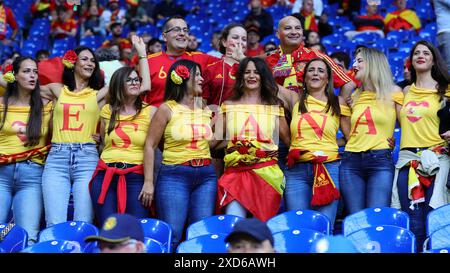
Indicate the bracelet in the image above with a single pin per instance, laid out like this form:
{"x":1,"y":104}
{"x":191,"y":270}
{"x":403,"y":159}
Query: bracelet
{"x":142,"y":57}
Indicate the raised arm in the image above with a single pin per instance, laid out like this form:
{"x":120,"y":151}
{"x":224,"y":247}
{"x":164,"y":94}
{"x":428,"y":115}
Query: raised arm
{"x":154,"y":135}
{"x":288,"y":97}
{"x":51,"y":91}
{"x":3,"y":83}
{"x":345,"y":125}
{"x":144,"y":70}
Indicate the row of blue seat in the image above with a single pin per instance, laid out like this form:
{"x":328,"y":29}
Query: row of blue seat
{"x":294,"y":231}
{"x":68,"y":237}
{"x":375,"y":223}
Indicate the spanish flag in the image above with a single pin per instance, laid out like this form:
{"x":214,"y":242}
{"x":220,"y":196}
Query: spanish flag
{"x":252,"y":176}
{"x":50,"y":71}
{"x":404,"y":19}
{"x":259,"y":188}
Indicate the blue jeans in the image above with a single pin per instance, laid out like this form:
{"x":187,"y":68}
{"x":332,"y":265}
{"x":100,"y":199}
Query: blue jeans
{"x":185,"y":193}
{"x":134,"y":206}
{"x":283,"y":151}
{"x":366,"y":179}
{"x":299,"y":185}
{"x":418,"y":216}
{"x":69,"y":167}
{"x":20,"y":187}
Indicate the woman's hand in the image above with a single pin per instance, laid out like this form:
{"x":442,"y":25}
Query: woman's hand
{"x":237,"y":52}
{"x":446,"y":136}
{"x":391,"y":142}
{"x":349,"y":101}
{"x":146,"y":195}
{"x":96,"y":138}
{"x":139,"y":45}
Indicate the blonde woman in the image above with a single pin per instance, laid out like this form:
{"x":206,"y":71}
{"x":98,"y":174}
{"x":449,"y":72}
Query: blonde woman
{"x":367,"y":169}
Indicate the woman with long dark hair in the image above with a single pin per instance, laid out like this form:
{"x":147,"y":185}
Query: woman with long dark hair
{"x":253,"y":120}
{"x":423,"y":163}
{"x":312,"y":177}
{"x":186,"y":185}
{"x":24,"y":129}
{"x":117,"y":185}
{"x":73,"y":156}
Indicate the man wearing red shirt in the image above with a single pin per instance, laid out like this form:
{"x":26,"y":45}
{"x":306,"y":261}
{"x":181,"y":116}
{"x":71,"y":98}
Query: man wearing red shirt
{"x":7,"y":18}
{"x":64,"y":26}
{"x":175,"y":34}
{"x":254,"y":48}
{"x":288,"y":61}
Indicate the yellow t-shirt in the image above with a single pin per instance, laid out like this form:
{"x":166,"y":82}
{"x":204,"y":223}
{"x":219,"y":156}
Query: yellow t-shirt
{"x":126,"y":142}
{"x":13,"y":134}
{"x":187,"y":134}
{"x":419,"y":120}
{"x":257,"y":124}
{"x":316,"y":130}
{"x":75,"y":116}
{"x":372,"y":122}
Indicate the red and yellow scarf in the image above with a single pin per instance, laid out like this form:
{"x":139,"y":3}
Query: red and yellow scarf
{"x":324,"y":189}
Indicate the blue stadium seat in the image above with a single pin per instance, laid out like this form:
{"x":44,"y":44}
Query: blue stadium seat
{"x":153,"y":246}
{"x":296,"y":219}
{"x":333,"y":244}
{"x":332,"y":40}
{"x":440,"y":238}
{"x":389,"y":44}
{"x":211,"y":243}
{"x":91,"y":41}
{"x":217,"y":224}
{"x":366,"y":38}
{"x":15,"y":240}
{"x":71,"y":231}
{"x":439,"y":250}
{"x":296,"y":240}
{"x":383,"y":239}
{"x":400,"y":35}
{"x":54,"y":246}
{"x":438,"y":218}
{"x":269,"y":38}
{"x":375,"y":217}
{"x":159,"y":231}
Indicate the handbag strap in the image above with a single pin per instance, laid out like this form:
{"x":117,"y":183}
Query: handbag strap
{"x":6,"y":230}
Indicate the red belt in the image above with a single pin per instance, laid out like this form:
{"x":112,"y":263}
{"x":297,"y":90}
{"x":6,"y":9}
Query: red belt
{"x":197,"y":162}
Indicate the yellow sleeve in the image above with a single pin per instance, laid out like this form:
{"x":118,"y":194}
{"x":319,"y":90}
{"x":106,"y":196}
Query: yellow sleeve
{"x":223,"y":108}
{"x":281,"y":111}
{"x":48,"y":107}
{"x":398,"y":97}
{"x":105,"y":112}
{"x":447,"y":92}
{"x":345,"y":110}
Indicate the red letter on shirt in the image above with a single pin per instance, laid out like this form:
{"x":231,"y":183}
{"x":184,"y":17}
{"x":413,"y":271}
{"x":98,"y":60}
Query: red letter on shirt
{"x":197,"y":135}
{"x":251,"y":129}
{"x":318,"y":130}
{"x":120,"y":133}
{"x":372,"y":130}
{"x":67,"y":115}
